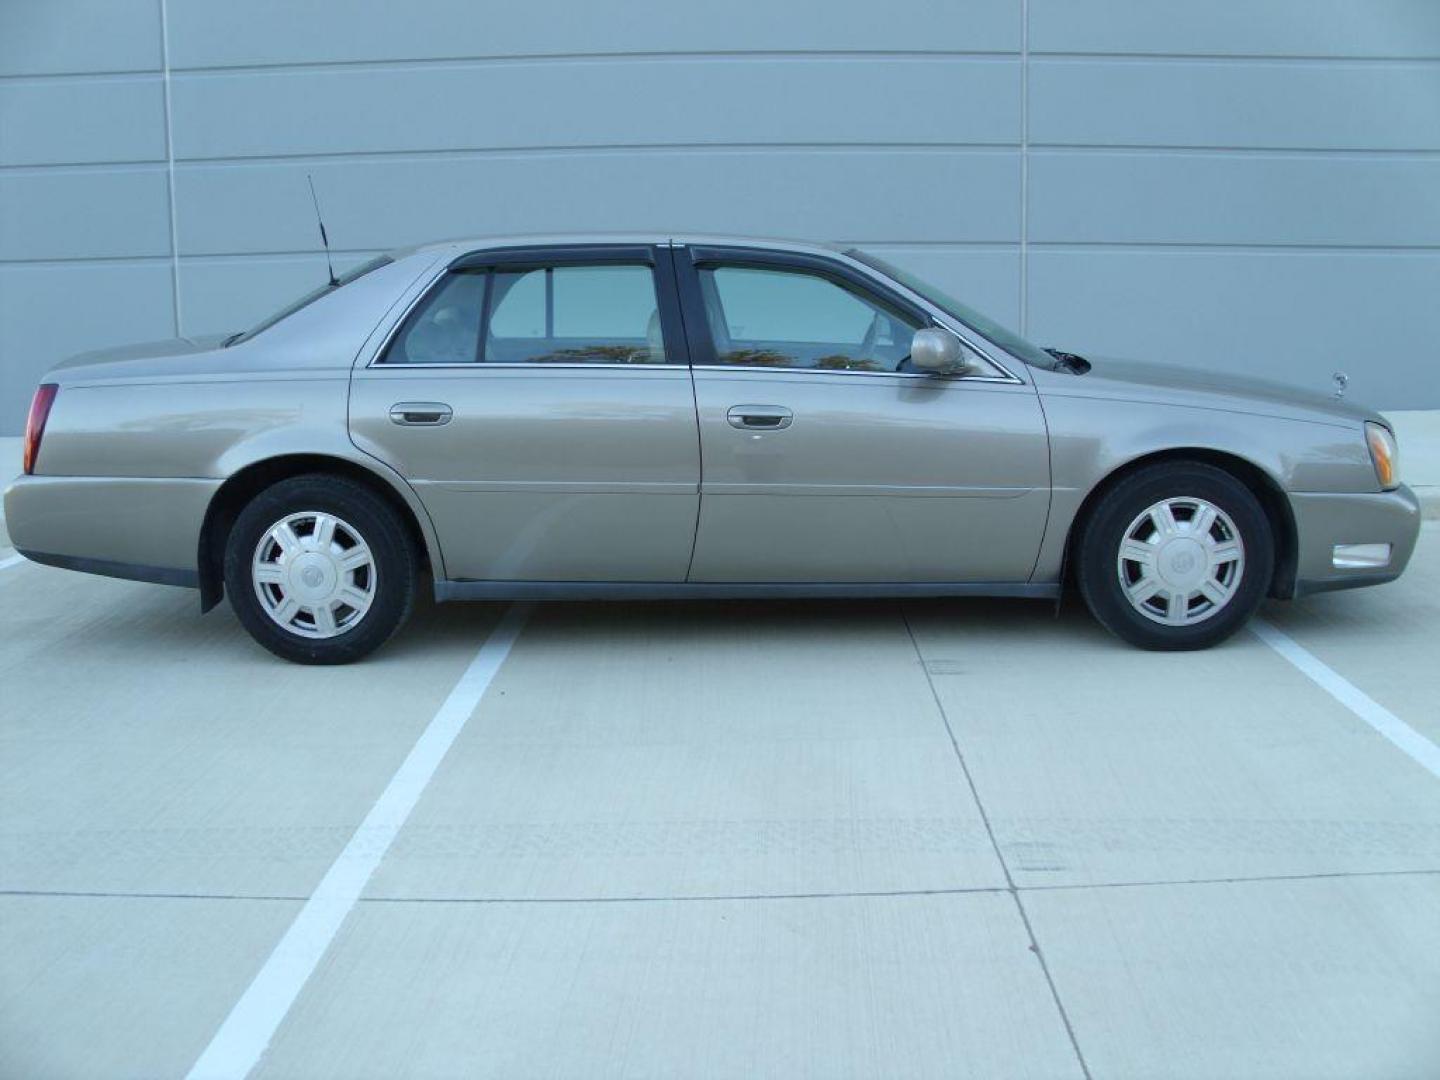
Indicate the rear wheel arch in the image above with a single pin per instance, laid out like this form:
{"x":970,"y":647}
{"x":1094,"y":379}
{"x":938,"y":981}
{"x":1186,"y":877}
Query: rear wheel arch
{"x":1261,"y":484}
{"x":243,"y":485}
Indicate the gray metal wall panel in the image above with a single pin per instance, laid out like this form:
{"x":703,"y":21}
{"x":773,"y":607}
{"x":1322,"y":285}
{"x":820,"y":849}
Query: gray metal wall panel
{"x":119,"y":118}
{"x":987,"y":279}
{"x":1328,"y":104}
{"x":1291,"y":316}
{"x":855,"y":195}
{"x":45,"y":37}
{"x":1249,"y":199}
{"x":223,"y":295}
{"x":1318,"y":195}
{"x":1363,"y":28}
{"x":51,"y":311}
{"x":1302,"y":241}
{"x":87,"y":213}
{"x":593,"y":102}
{"x":212,"y":33}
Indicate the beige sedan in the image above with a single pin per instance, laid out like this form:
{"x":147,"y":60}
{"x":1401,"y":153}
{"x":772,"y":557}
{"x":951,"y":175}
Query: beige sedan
{"x":648,"y":417}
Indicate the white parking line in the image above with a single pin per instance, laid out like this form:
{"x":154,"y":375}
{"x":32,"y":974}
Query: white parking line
{"x":247,"y":1031}
{"x":1417,"y":746}
{"x":12,"y":560}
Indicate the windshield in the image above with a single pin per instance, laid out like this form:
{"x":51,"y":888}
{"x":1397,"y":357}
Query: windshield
{"x":987,"y":328}
{"x":309,"y":298}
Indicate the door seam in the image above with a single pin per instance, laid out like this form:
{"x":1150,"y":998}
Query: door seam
{"x":695,"y":406}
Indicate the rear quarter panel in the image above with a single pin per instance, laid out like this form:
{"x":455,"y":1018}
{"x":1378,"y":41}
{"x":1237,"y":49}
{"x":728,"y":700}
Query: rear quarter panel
{"x":135,"y":449}
{"x":126,"y":472}
{"x":196,"y":426}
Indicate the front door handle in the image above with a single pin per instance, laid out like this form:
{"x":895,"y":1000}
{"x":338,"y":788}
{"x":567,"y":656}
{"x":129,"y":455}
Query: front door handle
{"x":760,"y":417}
{"x":420,"y":413}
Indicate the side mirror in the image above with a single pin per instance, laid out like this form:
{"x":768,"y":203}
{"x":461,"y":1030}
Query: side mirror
{"x":937,"y":351}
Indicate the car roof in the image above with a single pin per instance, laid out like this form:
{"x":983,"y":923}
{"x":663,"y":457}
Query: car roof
{"x":489,"y":243}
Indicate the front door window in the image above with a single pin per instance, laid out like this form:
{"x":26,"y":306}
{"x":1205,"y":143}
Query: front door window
{"x":792,"y":319}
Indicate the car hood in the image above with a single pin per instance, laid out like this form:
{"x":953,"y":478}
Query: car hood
{"x":1180,"y":385}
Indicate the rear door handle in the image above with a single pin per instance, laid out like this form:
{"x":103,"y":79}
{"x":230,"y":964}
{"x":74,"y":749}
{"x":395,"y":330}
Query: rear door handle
{"x":420,"y":413}
{"x":760,"y":417}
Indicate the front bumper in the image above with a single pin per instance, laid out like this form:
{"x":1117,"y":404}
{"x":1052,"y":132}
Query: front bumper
{"x":132,"y":527}
{"x":1325,"y":522}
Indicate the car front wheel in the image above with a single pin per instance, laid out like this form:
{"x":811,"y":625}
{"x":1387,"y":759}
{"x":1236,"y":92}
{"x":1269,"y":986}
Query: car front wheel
{"x":1175,"y":556}
{"x":320,"y":570}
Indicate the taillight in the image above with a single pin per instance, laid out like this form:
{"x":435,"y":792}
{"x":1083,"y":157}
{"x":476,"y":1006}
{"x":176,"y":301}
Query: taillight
{"x":35,"y":422}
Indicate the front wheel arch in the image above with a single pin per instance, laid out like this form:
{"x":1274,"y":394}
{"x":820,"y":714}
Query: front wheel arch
{"x":246,"y":483}
{"x":1261,"y":484}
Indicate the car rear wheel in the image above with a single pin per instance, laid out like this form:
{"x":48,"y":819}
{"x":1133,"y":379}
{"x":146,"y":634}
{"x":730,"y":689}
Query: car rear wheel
{"x":1175,"y":556}
{"x":320,"y":570}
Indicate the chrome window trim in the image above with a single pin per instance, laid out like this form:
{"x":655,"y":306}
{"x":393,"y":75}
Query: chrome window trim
{"x":993,"y":379}
{"x":666,"y":366}
{"x":663,"y":365}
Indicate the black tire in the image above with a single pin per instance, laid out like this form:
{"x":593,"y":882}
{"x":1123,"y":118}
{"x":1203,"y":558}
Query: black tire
{"x":1097,"y":552}
{"x":362,"y":513}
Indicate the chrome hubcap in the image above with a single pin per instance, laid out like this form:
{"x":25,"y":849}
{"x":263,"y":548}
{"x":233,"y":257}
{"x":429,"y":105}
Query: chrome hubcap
{"x":1181,"y":561}
{"x":314,"y":574}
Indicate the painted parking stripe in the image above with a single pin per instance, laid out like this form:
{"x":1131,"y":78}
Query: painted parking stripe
{"x":1417,"y":746}
{"x":12,"y":560}
{"x":246,"y":1033}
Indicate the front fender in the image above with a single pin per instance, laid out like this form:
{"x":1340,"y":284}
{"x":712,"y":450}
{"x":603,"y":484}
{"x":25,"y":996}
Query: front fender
{"x":1091,"y":439}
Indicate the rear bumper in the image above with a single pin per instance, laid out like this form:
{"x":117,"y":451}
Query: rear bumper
{"x":1326,"y":521}
{"x":132,"y":527}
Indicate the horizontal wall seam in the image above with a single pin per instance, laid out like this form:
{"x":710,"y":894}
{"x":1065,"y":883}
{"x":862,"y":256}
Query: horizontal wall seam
{"x":244,"y":161}
{"x":995,"y":246}
{"x":77,"y":76}
{"x":40,"y":262}
{"x":1421,"y":153}
{"x":421,"y":62}
{"x":77,"y":166}
{"x":118,"y":167}
{"x":111,"y":77}
{"x":221,"y":256}
{"x":602,"y":148}
{"x":1298,"y":247}
{"x":470,"y":153}
{"x":1012,"y":55}
{"x":1239,"y":58}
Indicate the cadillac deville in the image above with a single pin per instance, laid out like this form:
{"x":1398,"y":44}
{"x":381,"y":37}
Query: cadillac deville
{"x":646,"y":417}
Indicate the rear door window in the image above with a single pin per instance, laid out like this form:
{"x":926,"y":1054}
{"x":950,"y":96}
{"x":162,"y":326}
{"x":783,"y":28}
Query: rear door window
{"x":574,"y":315}
{"x":564,"y":314}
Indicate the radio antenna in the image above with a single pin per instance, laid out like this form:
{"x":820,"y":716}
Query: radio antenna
{"x":334,"y":282}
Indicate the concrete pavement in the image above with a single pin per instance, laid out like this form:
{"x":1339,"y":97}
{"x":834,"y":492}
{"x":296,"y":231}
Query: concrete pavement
{"x":1327,"y":978}
{"x":940,"y":838}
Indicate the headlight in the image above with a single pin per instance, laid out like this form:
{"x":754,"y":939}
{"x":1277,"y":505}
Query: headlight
{"x":1385,"y":453}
